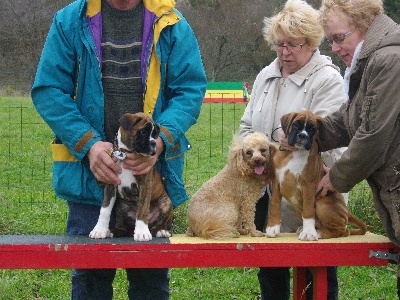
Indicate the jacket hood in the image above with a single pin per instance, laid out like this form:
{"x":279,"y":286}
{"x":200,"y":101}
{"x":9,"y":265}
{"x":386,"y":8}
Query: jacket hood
{"x":158,"y":7}
{"x":383,"y":32}
{"x":317,"y":62}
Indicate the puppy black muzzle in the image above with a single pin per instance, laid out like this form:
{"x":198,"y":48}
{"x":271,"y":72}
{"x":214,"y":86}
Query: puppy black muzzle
{"x":303,"y":140}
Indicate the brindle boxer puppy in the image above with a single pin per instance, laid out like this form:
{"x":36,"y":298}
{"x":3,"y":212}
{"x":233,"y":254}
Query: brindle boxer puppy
{"x":297,"y":174}
{"x":142,"y":206}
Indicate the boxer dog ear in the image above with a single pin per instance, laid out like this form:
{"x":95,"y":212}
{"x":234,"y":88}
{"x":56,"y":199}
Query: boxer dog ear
{"x":126,"y":122}
{"x":156,"y":132}
{"x":286,"y":121}
{"x":320,"y":121}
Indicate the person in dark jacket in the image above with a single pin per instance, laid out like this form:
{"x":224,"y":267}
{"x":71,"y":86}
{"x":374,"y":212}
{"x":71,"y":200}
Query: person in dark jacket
{"x":368,"y":41}
{"x":101,"y":59}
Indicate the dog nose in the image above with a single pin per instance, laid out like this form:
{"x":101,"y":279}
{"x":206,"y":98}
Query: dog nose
{"x":153,"y":143}
{"x":303,"y":135}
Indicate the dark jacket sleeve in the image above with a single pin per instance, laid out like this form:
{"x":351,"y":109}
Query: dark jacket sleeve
{"x":373,"y":124}
{"x":333,"y":132}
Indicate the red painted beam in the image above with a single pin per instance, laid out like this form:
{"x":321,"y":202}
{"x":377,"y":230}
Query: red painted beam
{"x":60,"y":252}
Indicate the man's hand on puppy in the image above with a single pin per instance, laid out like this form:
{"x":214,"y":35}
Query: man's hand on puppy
{"x":104,"y":167}
{"x":141,"y":164}
{"x":325,"y":185}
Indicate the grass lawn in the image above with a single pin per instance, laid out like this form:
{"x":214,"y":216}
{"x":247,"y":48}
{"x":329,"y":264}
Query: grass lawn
{"x":28,"y":206}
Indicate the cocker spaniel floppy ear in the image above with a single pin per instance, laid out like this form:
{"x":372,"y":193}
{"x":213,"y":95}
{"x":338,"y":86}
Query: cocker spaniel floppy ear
{"x":236,"y":155}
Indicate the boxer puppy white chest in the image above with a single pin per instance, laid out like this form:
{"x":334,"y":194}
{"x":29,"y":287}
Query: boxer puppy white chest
{"x":126,"y":176}
{"x":288,"y":175}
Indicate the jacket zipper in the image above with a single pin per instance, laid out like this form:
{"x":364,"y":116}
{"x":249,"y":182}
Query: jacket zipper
{"x":77,"y":79}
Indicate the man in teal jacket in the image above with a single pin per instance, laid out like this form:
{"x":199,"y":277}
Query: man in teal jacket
{"x":103,"y":58}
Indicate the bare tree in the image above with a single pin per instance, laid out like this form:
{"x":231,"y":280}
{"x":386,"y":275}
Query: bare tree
{"x":23,"y":31}
{"x":230,"y":36}
{"x":229,"y":33}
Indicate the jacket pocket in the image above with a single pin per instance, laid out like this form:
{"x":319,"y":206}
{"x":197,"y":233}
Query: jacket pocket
{"x":61,"y":152}
{"x":72,"y":179}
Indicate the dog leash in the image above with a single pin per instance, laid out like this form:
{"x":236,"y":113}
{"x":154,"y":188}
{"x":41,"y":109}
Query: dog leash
{"x":272,"y":135}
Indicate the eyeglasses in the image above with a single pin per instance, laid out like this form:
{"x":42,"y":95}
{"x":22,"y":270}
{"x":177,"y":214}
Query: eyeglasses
{"x":289,"y":47}
{"x":339,"y":38}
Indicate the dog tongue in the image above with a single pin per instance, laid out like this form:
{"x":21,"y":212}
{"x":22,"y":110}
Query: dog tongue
{"x":259,"y":170}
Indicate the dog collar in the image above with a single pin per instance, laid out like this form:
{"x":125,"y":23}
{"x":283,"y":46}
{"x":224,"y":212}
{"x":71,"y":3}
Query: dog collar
{"x":117,"y":152}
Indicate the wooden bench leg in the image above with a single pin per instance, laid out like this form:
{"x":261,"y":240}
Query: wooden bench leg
{"x":299,"y":283}
{"x":320,"y":283}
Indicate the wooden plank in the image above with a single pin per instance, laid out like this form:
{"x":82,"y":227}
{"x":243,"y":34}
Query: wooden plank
{"x":180,"y":251}
{"x":63,"y":252}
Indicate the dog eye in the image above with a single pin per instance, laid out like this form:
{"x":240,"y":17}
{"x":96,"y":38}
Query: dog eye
{"x":311,"y":129}
{"x":249,"y":153}
{"x":296,"y":124}
{"x":263,"y":150}
{"x":142,"y":132}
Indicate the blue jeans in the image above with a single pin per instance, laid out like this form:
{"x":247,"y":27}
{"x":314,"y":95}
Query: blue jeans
{"x":96,"y":284}
{"x":275,"y":282}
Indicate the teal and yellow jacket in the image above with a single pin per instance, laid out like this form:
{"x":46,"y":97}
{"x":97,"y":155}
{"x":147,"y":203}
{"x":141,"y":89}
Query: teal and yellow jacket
{"x":68,"y":93}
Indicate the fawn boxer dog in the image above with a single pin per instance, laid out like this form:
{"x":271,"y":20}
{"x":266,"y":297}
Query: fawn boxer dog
{"x":297,"y":174}
{"x":142,"y":206}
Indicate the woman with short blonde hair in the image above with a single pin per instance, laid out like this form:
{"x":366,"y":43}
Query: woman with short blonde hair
{"x":299,"y":78}
{"x":297,"y":20}
{"x":360,"y":13}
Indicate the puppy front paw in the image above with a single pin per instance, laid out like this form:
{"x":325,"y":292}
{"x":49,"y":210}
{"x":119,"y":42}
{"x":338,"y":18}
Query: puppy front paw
{"x":100,"y":232}
{"x":142,"y":232}
{"x":273,"y":231}
{"x":308,"y":233}
{"x":163,"y":233}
